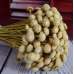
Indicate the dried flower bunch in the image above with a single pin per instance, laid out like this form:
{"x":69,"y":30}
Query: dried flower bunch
{"x":42,"y":42}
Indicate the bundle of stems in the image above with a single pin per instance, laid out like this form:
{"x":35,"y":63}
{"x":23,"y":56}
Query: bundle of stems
{"x":12,"y":33}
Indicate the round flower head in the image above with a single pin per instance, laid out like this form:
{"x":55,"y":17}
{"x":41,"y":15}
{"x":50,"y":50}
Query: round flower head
{"x":31,"y":17}
{"x":49,"y":13}
{"x":39,"y":12}
{"x":36,"y":44}
{"x":39,"y":18}
{"x":33,"y":23}
{"x":47,"y":48}
{"x":45,"y":7}
{"x":30,"y":35}
{"x":46,"y":22}
{"x":21,"y":49}
{"x":29,"y":48}
{"x":37,"y":28}
{"x":55,"y":29}
{"x":46,"y":31}
{"x":42,"y":36}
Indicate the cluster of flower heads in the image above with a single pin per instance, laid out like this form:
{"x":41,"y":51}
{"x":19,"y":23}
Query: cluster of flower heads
{"x":45,"y":42}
